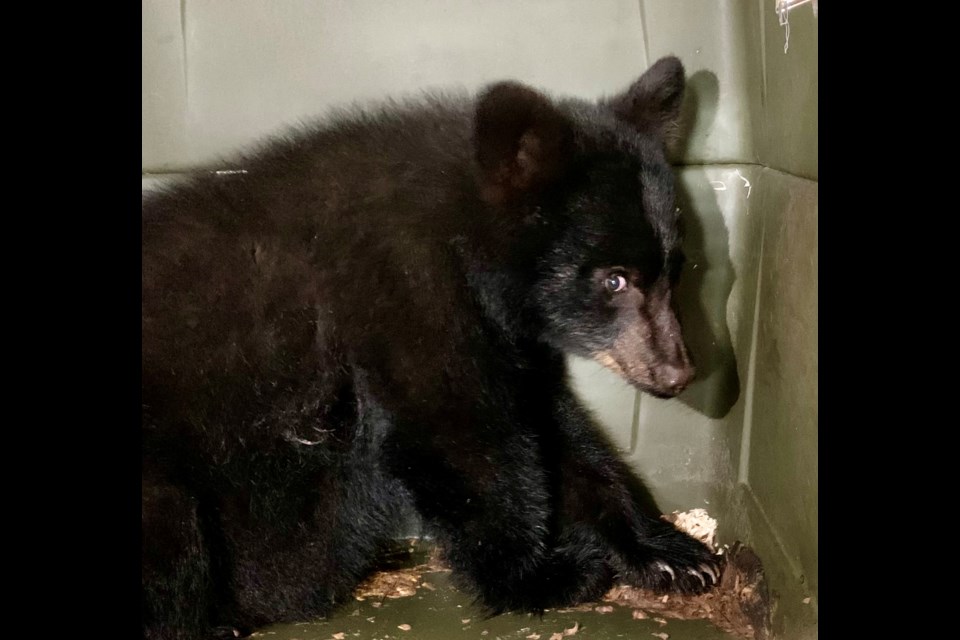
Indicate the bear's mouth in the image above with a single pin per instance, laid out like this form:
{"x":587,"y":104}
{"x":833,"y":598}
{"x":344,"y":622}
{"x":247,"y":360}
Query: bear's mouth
{"x":663,"y":381}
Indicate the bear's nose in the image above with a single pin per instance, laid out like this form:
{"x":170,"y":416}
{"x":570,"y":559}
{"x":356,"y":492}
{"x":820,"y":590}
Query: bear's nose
{"x":675,"y":378}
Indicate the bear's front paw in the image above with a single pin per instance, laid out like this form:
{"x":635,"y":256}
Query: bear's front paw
{"x":677,"y":562}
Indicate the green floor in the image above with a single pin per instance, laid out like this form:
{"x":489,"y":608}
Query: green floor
{"x":438,"y":610}
{"x":445,"y":613}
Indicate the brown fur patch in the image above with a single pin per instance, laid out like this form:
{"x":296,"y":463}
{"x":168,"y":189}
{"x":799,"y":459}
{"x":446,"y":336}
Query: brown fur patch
{"x":628,"y":342}
{"x":606,"y":359}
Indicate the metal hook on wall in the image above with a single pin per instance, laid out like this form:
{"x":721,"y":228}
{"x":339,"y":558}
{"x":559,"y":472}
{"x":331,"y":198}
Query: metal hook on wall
{"x":783,"y":9}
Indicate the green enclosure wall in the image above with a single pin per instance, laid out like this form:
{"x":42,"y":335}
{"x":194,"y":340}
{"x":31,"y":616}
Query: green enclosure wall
{"x":742,"y":441}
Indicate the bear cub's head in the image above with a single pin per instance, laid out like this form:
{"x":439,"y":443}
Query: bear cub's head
{"x":593,"y":183}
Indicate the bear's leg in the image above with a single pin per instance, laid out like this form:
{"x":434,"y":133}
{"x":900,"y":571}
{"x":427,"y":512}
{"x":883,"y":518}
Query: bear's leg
{"x":176,"y":587}
{"x":601,"y":494}
{"x":485,"y":494}
{"x":304,"y":549}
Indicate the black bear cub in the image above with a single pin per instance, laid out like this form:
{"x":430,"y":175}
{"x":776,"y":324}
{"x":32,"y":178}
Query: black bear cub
{"x":371,"y":316}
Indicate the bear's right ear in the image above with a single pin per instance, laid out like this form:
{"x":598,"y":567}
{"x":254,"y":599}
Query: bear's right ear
{"x":522,"y":142}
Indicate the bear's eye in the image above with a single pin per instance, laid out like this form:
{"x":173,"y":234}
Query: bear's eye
{"x":615,"y":283}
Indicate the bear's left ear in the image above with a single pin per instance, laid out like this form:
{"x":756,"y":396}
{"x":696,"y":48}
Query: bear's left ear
{"x":652,"y":103}
{"x":522,"y":142}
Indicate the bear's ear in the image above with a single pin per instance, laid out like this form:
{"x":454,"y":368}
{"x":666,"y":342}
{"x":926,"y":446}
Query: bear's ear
{"x":522,"y":142}
{"x":652,"y":103}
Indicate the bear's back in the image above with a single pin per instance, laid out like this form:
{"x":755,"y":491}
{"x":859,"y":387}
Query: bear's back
{"x":253,"y":280}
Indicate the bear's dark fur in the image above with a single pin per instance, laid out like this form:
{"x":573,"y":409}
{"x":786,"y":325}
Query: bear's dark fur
{"x":371,"y":316}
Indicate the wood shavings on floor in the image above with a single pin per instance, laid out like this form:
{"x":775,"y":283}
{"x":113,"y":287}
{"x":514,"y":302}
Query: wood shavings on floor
{"x":739,"y":605}
{"x":399,"y":583}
